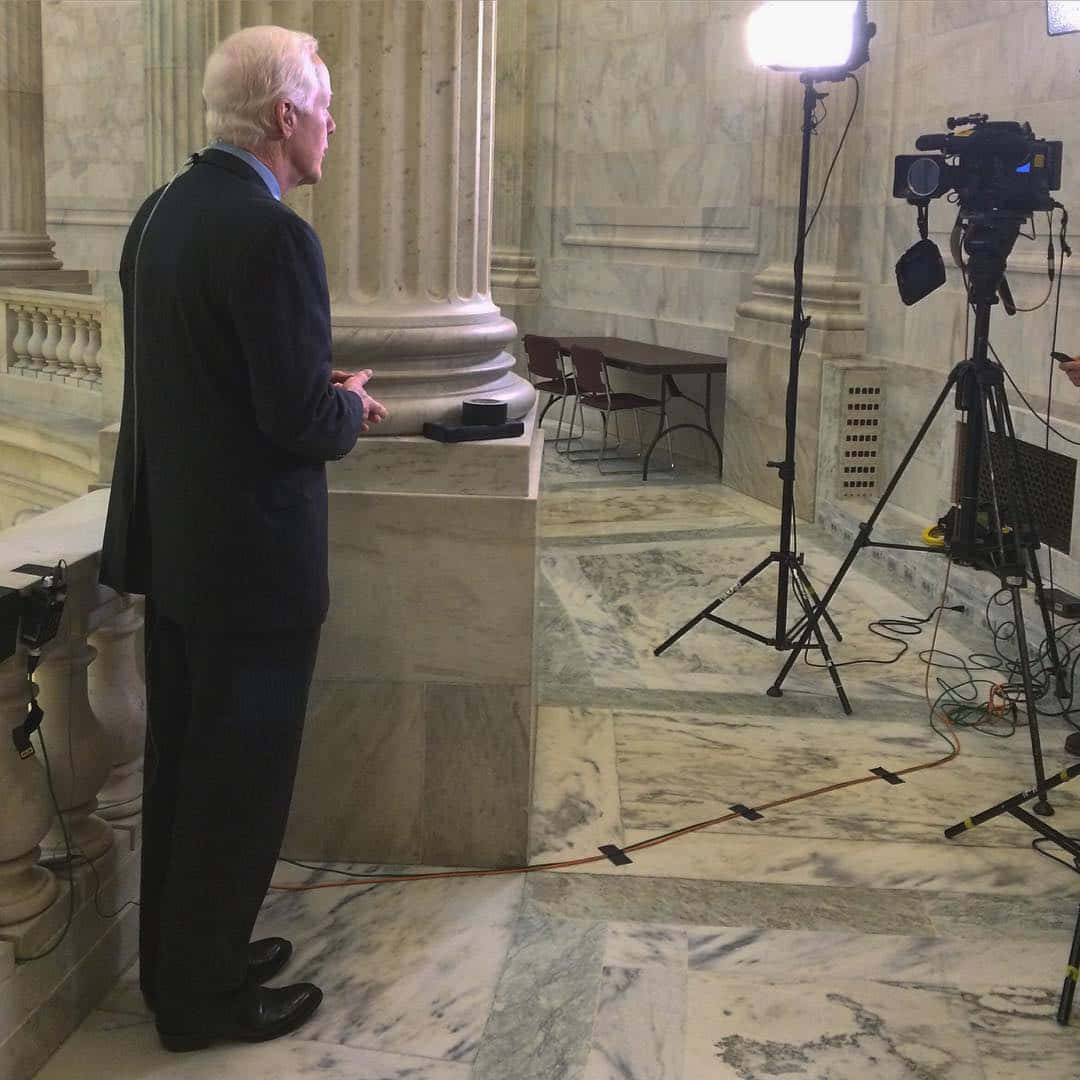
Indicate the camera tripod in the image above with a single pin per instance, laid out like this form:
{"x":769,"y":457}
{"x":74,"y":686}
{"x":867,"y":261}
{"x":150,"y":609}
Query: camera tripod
{"x":1007,"y":544}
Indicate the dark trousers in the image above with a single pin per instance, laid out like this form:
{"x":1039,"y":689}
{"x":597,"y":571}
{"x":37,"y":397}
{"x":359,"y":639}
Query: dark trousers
{"x":225,"y":713}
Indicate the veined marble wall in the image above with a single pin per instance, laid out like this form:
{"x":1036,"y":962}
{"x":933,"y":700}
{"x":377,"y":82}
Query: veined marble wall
{"x":95,"y":173}
{"x":648,"y":185}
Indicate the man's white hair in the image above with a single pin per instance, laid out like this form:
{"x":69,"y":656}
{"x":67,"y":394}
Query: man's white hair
{"x":249,"y":72}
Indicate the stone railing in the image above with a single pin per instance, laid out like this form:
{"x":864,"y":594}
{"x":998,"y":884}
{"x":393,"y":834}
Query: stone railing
{"x":52,"y":336}
{"x":70,"y":813}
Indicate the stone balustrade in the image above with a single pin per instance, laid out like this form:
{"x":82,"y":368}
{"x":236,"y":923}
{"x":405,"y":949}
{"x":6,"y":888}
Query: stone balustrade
{"x":52,"y":336}
{"x":62,"y":806}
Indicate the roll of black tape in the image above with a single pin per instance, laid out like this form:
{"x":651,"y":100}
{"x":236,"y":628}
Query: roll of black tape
{"x":483,"y":411}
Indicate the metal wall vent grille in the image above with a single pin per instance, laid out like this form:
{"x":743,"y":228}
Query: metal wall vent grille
{"x":860,"y":432}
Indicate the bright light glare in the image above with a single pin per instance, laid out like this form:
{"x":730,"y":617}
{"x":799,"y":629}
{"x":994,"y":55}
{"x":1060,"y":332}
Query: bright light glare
{"x":802,"y":34}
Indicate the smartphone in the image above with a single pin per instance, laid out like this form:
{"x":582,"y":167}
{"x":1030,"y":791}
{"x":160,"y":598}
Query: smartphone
{"x":1061,"y":358}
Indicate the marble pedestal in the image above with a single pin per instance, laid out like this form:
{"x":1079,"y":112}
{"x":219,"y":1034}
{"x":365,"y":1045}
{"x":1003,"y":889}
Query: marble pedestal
{"x":419,"y":738}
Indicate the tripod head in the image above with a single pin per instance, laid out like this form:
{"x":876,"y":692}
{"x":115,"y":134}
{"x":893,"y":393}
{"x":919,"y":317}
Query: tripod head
{"x":989,"y":236}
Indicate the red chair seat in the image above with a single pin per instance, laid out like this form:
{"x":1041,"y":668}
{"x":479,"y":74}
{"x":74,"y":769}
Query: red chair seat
{"x":619,"y":401}
{"x":561,"y":385}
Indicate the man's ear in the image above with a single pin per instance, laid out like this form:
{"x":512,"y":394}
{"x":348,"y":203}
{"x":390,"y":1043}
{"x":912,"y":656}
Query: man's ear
{"x":285,"y":116}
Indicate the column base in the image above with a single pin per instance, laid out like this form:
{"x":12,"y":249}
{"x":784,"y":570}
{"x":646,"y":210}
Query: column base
{"x":72,"y":281}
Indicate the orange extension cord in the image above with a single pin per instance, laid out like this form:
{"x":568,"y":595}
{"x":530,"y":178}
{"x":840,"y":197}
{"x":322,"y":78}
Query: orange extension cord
{"x":653,"y":841}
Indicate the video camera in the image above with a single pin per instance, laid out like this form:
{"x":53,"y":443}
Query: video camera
{"x":1001,"y":174}
{"x":31,"y":617}
{"x":998,"y":165}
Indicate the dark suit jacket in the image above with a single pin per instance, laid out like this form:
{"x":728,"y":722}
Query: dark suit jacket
{"x":218,"y":503}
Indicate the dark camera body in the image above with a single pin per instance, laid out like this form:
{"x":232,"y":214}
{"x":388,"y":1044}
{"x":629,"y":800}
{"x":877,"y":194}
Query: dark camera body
{"x":997,"y":165}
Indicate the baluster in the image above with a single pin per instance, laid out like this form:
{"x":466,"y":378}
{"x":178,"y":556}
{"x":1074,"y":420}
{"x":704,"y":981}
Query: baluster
{"x":22,"y":336}
{"x":90,"y":353}
{"x":63,"y":348}
{"x":118,"y":698}
{"x":78,"y":346}
{"x":37,"y":338}
{"x":77,"y":744}
{"x":26,"y":889}
{"x":52,"y":340}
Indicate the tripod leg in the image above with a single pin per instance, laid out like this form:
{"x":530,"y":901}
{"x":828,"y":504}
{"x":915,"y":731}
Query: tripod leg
{"x":834,"y":671}
{"x":1072,"y":974}
{"x":807,"y":584}
{"x":1043,"y":806}
{"x":706,"y":612}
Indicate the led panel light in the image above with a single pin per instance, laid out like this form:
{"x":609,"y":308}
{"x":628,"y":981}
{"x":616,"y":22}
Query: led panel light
{"x":803,"y":35}
{"x":1062,"y":16}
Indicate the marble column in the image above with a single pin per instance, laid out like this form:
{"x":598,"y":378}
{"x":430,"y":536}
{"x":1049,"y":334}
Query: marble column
{"x":26,"y":250}
{"x":26,"y":889}
{"x":404,"y":207}
{"x":514,"y":279}
{"x":759,"y":347}
{"x":118,"y":699}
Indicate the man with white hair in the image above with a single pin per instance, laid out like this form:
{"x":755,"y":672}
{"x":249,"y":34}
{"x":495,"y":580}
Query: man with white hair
{"x":218,"y":514}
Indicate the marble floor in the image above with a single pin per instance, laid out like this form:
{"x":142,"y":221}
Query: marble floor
{"x":838,"y":937}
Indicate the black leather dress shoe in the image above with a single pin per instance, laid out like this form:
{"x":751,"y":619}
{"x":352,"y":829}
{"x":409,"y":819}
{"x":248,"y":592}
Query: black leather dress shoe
{"x":266,"y":957}
{"x":252,"y":1014}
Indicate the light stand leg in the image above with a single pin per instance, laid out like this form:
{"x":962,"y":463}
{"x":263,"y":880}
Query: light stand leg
{"x":796,"y":631}
{"x":1043,"y":805}
{"x":1015,"y":806}
{"x":1072,"y":974}
{"x":863,"y":538}
{"x":799,"y":324}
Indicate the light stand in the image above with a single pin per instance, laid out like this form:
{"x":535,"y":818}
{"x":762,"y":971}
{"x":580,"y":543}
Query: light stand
{"x":1015,"y":806}
{"x":790,"y":573}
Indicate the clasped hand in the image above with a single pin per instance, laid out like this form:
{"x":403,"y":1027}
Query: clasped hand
{"x":354,"y":382}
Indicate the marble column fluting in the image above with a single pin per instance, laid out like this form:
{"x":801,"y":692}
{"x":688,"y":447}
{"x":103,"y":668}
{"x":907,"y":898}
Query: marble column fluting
{"x":24,"y":243}
{"x":514,"y":279}
{"x":178,"y":39}
{"x":404,"y":208}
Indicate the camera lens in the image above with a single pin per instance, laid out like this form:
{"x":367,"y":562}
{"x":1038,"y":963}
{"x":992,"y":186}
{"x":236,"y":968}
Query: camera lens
{"x":924,"y":176}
